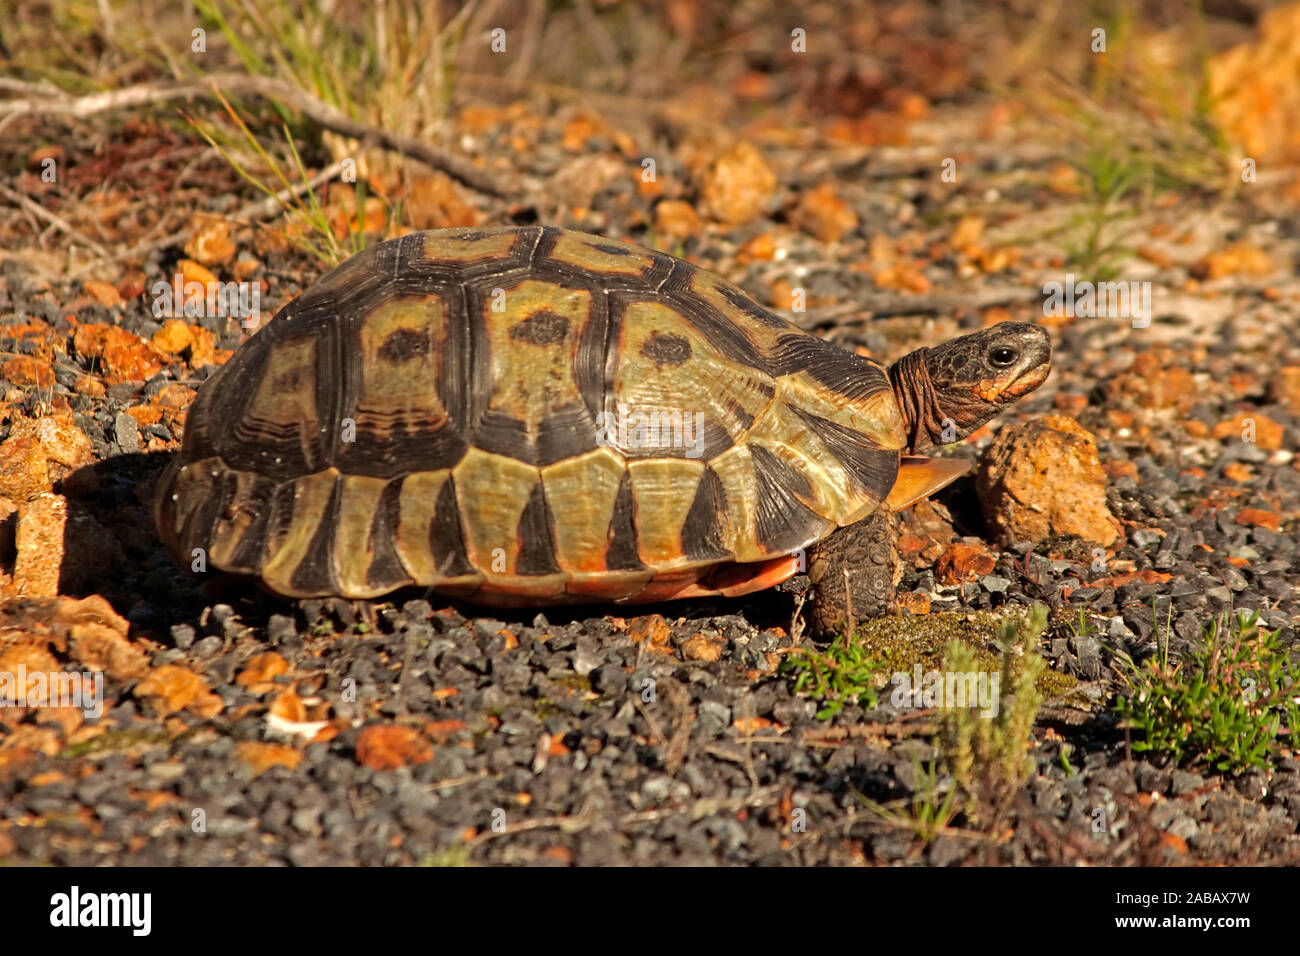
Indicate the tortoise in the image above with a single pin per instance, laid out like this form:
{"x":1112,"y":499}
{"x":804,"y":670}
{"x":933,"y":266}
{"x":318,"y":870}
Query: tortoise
{"x":528,"y":415}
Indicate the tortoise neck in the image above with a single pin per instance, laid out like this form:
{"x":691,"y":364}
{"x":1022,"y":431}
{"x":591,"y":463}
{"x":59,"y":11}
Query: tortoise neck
{"x":917,"y":400}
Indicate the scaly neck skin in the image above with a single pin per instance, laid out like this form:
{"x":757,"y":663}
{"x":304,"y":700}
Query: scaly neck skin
{"x":918,"y":402}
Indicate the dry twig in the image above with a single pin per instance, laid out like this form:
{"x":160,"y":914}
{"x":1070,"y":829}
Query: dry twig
{"x":41,"y":101}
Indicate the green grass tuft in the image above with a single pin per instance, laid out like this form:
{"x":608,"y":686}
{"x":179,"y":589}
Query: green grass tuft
{"x":844,"y":673}
{"x":1224,"y":706}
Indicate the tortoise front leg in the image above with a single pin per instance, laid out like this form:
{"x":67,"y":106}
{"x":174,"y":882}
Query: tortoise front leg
{"x":854,"y":573}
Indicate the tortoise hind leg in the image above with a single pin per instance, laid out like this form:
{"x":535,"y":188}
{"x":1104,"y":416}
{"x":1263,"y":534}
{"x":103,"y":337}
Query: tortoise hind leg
{"x":854,"y":573}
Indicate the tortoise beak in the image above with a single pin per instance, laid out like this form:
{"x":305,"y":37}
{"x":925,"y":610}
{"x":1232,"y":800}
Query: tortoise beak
{"x":1035,"y":362}
{"x":1029,"y":380}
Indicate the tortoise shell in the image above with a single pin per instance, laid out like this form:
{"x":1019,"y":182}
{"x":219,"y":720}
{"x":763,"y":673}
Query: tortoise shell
{"x":527,"y":416}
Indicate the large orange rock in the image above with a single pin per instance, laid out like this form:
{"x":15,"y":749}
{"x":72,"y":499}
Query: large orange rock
{"x":124,"y":357}
{"x":60,"y":547}
{"x":1042,"y":479}
{"x":737,"y":185}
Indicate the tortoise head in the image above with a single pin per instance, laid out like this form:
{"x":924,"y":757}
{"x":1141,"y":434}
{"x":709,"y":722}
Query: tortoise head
{"x":947,"y":392}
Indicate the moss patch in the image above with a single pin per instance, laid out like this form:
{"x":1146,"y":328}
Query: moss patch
{"x":900,"y":643}
{"x":118,"y":740}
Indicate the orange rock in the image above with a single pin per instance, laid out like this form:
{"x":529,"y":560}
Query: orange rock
{"x":913,"y":603}
{"x":761,"y":248}
{"x":675,"y":219}
{"x":261,"y":669}
{"x":101,"y":648}
{"x":23,"y":470}
{"x":737,"y":185}
{"x":781,"y":295}
{"x":1156,"y":382}
{"x":1153,"y":255}
{"x":962,"y":561}
{"x":145,"y":414}
{"x":1121,"y":468}
{"x":901,"y":275}
{"x":87,"y":385}
{"x":1251,"y":427}
{"x":105,"y":293}
{"x":261,"y":757}
{"x":1172,"y":841}
{"x":192,"y":271}
{"x":210,"y":243}
{"x":1044,"y":478}
{"x":174,"y":396}
{"x":653,"y":627}
{"x":823,"y":214}
{"x":245,"y":268}
{"x":33,"y":657}
{"x":580,"y":129}
{"x":434,"y":202}
{"x":1237,"y":471}
{"x":60,"y":438}
{"x":1284,"y":388}
{"x":25,"y":740}
{"x":60,"y":547}
{"x":389,"y":746}
{"x":39,"y":544}
{"x":124,"y":357}
{"x":440,"y":731}
{"x":174,"y":337}
{"x":1252,"y":88}
{"x":28,"y":370}
{"x":702,"y":648}
{"x":751,"y":725}
{"x":910,"y":546}
{"x":153,"y":799}
{"x":289,"y":706}
{"x":172,"y":688}
{"x":1241,"y":258}
{"x":1259,"y":518}
{"x":925,"y":530}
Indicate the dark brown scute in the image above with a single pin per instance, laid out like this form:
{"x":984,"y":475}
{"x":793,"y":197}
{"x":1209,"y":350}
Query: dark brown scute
{"x":621,"y":554}
{"x":281,"y":516}
{"x":247,"y":555}
{"x":842,"y":372}
{"x":702,"y":532}
{"x":386,"y":568}
{"x":313,"y":575}
{"x":536,"y":537}
{"x":196,"y":532}
{"x":567,"y":432}
{"x":446,"y":539}
{"x":783,"y":521}
{"x":873,"y":468}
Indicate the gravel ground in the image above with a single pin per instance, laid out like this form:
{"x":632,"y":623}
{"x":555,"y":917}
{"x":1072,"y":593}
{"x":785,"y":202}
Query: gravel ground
{"x":241,"y":729}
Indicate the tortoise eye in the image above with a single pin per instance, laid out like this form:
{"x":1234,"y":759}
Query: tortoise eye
{"x":1003,"y":356}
